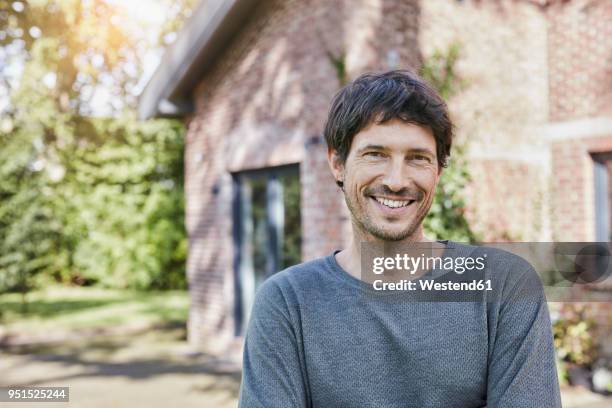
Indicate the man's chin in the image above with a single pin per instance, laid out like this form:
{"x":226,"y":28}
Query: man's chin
{"x":387,"y":234}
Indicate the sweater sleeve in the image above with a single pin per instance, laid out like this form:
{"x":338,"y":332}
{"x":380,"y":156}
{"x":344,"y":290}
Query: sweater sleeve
{"x":272,"y":374}
{"x":522,"y":365}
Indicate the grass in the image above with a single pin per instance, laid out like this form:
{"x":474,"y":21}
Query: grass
{"x":60,"y":308}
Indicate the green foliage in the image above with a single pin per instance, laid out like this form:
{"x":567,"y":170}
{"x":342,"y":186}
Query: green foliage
{"x":446,"y":218}
{"x":339,"y":64}
{"x":573,"y":335}
{"x":115,"y":216}
{"x":439,"y":70}
{"x":128,"y":198}
{"x":91,"y":43}
{"x":84,"y":199}
{"x":562,"y":372}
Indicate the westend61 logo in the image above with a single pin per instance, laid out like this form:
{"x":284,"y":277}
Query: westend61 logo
{"x":566,"y":271}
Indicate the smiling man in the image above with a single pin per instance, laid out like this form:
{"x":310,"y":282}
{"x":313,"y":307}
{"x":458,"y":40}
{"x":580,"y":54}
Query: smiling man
{"x":319,"y":336}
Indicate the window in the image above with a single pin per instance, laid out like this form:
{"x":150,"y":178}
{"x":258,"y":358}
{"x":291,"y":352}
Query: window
{"x":602,"y":163}
{"x":267,"y":230}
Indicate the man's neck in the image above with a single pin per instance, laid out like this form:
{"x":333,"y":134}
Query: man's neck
{"x":350,"y":258}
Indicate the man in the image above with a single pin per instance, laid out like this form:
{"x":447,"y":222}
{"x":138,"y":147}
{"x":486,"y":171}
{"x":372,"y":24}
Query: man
{"x":318,"y":337}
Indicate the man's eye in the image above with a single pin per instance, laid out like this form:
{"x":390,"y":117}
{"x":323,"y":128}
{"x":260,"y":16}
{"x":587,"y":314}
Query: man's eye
{"x":420,"y":157}
{"x":374,"y":154}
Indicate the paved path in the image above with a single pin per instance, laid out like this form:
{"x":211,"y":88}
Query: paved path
{"x":153,"y":369}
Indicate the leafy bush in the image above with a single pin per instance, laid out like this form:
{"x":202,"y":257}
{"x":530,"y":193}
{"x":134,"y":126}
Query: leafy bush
{"x":130,"y":206}
{"x":573,"y":335}
{"x":114,"y":216}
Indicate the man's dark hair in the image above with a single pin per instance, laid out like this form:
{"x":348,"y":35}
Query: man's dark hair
{"x":380,"y":97}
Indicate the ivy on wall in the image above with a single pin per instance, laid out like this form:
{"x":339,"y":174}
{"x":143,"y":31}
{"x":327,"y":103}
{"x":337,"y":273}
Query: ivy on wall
{"x":446,"y":218}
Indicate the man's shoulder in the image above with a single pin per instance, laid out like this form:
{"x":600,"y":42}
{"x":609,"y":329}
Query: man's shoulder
{"x":287,"y":290}
{"x":296,"y":278}
{"x":507,"y":270}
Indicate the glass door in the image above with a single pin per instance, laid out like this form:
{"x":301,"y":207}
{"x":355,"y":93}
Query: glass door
{"x":267,"y":230}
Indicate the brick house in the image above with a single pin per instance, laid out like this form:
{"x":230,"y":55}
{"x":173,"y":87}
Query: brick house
{"x":253,"y":81}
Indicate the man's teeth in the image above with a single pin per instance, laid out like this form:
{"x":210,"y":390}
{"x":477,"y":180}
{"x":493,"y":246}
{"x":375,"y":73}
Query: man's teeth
{"x":392,"y":203}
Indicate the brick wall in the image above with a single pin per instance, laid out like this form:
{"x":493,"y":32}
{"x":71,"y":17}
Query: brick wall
{"x":580,"y":72}
{"x":580,"y":59}
{"x":573,"y":186}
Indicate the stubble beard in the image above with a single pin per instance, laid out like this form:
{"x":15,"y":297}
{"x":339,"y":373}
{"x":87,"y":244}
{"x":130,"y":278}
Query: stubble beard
{"x":365,"y":226}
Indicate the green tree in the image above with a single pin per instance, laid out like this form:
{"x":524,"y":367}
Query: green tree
{"x":127,"y":194}
{"x":79,"y":193}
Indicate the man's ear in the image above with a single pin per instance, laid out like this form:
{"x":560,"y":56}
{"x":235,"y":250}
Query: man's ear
{"x":336,"y":166}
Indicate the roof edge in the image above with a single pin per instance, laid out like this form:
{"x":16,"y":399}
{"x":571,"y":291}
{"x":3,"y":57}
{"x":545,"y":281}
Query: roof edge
{"x":204,"y":36}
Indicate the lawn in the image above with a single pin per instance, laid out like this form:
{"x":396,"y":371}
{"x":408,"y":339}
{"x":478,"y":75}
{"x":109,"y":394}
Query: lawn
{"x":69,"y":309}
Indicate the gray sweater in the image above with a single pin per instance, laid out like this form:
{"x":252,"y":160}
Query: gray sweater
{"x":316,"y":338}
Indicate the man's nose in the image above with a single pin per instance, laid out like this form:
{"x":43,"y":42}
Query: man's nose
{"x":396,"y":177}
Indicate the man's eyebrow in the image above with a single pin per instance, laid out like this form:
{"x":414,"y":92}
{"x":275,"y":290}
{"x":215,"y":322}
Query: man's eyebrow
{"x":380,"y":148}
{"x":421,"y":150}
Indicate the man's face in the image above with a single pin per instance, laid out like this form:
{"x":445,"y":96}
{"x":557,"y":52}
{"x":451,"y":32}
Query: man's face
{"x":390,"y":177}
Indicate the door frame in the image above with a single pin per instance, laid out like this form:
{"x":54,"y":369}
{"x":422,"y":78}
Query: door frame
{"x":602,"y":195}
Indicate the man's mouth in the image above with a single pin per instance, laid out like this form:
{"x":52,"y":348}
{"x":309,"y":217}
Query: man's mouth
{"x":390,"y":203}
